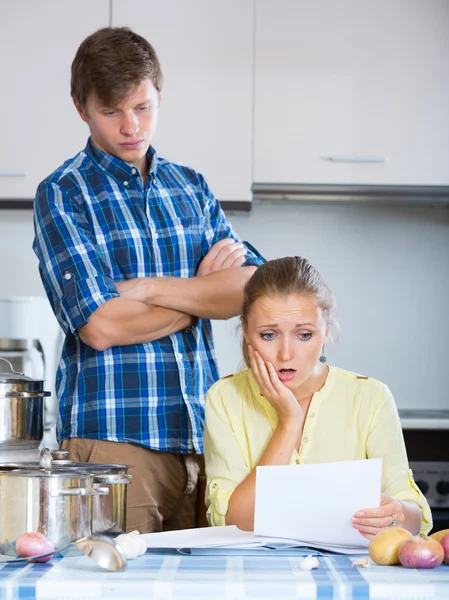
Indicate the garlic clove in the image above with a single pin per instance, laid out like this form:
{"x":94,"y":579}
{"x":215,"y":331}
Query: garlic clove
{"x":309,"y":562}
{"x":128,"y":545}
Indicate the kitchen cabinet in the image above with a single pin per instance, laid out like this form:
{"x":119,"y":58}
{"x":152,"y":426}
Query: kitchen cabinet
{"x":352,"y":92}
{"x":206,"y":52}
{"x":40,"y":126}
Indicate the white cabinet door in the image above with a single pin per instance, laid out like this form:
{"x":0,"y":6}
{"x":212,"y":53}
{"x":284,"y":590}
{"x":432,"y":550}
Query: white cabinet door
{"x":40,"y":126}
{"x":206,"y":52}
{"x":352,"y":92}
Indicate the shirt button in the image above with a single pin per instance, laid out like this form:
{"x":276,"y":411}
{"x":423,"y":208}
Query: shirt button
{"x":305,"y":440}
{"x":67,"y":276}
{"x":311,"y":415}
{"x":156,"y":236}
{"x":133,"y":171}
{"x":298,"y":462}
{"x":125,"y":182}
{"x":179,"y":355}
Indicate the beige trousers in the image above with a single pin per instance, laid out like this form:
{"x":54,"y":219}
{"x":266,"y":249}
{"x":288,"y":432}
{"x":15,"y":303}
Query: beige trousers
{"x":163,"y":493}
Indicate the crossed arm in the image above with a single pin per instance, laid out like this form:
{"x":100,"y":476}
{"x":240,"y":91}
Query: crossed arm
{"x":151,"y":308}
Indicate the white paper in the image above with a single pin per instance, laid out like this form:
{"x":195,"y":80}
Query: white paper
{"x":315,"y":504}
{"x":228,"y":540}
{"x":201,"y":537}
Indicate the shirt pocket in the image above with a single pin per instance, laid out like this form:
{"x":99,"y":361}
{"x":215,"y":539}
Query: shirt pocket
{"x":180,"y":244}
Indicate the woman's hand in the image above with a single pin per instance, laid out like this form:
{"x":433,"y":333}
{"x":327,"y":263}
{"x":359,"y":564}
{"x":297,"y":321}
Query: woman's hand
{"x":370,"y":521}
{"x":278,"y":395}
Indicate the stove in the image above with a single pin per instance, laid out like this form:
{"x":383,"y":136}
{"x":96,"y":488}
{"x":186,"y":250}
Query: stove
{"x":426,"y":436}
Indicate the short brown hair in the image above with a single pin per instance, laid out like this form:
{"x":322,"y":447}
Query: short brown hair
{"x":285,"y":277}
{"x":111,"y":63}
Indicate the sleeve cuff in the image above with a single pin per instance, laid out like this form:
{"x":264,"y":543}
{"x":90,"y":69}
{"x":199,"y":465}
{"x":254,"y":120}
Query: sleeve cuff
{"x":414,"y":494}
{"x":82,"y":297}
{"x":217,"y":503}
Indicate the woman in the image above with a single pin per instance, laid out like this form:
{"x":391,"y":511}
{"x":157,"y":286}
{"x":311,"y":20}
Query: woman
{"x":290,"y":407}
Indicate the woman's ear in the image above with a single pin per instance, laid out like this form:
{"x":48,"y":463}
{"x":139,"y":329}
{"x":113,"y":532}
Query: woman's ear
{"x":328,"y":332}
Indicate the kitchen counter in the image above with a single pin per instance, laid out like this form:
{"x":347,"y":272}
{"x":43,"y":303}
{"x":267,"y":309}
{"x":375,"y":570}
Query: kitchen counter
{"x":171,"y":575}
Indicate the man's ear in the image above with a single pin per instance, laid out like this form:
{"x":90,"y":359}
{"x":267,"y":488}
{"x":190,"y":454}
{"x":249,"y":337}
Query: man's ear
{"x":80,"y":110}
{"x":242,"y":322}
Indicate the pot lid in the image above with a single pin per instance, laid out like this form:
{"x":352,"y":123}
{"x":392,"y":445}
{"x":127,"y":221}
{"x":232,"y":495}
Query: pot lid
{"x":60,"y":473}
{"x":11,"y":376}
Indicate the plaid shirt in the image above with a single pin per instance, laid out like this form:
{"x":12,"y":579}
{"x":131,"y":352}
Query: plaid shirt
{"x":95,"y":225}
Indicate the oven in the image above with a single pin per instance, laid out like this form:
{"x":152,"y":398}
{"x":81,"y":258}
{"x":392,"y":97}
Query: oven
{"x":426,"y":435}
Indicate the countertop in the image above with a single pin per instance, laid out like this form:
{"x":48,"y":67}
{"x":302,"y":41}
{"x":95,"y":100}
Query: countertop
{"x":171,"y":575}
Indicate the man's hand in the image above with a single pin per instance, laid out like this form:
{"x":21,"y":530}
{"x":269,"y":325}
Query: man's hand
{"x":225,"y":254}
{"x":135,"y":289}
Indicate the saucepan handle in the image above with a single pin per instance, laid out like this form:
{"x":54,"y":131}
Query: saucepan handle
{"x":99,"y":491}
{"x":109,"y":478}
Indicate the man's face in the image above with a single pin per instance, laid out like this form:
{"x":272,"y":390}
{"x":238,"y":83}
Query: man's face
{"x":124,"y":131}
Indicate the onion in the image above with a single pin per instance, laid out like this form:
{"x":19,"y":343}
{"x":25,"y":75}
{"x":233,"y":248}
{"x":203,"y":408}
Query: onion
{"x":445,"y":544}
{"x":34,"y":544}
{"x":384,"y":547}
{"x":439,"y":535}
{"x":421,"y":552}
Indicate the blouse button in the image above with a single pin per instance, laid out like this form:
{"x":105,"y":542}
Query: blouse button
{"x":125,"y":182}
{"x":306,"y":439}
{"x":311,"y":415}
{"x":298,"y":462}
{"x":67,"y":276}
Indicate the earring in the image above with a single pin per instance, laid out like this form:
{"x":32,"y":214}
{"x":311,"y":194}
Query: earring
{"x":322,"y":357}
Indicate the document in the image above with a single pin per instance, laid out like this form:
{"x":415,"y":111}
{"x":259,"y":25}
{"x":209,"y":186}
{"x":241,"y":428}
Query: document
{"x":315,"y":504}
{"x":297,"y":506}
{"x":201,"y":537}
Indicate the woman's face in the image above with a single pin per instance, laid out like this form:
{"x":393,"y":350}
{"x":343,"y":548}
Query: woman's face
{"x":288,"y":331}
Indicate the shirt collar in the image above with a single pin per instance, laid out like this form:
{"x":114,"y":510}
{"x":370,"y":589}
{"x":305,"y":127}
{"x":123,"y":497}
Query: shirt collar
{"x":119,"y":169}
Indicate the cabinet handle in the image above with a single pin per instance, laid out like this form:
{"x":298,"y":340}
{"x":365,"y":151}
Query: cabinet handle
{"x":355,"y":159}
{"x":12,"y":174}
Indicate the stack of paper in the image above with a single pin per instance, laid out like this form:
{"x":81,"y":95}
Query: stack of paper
{"x":296,"y":506}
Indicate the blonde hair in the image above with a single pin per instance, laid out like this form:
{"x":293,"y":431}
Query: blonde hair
{"x":287,"y":276}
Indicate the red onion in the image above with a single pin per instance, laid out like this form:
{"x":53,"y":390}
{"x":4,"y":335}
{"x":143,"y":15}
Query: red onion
{"x":421,"y":552}
{"x":445,"y":544}
{"x":33,"y":544}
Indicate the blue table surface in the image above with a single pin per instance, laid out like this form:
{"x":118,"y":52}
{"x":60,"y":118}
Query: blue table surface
{"x":170,"y":575}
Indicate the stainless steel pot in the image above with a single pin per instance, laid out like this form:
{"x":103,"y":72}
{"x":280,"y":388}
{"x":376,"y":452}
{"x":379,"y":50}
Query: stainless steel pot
{"x":109,"y":511}
{"x":21,"y":409}
{"x":56,"y":503}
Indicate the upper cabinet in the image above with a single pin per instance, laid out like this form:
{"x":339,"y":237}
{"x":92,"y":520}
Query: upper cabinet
{"x":206,"y":53}
{"x":40,"y":126}
{"x":352,"y":92}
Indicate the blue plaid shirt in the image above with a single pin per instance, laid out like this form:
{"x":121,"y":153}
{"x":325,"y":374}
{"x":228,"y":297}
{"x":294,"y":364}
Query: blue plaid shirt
{"x":95,"y":225}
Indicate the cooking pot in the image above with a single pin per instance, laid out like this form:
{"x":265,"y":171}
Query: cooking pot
{"x":108,"y":510}
{"x":55,"y":503}
{"x":21,"y":409}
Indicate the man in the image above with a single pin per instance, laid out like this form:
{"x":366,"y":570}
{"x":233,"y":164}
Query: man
{"x":136,"y":256}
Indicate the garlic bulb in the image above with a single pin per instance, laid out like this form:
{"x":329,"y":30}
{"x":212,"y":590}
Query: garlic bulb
{"x":131,"y":544}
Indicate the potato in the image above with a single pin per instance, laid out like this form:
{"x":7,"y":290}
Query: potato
{"x":384,"y":547}
{"x":439,"y":535}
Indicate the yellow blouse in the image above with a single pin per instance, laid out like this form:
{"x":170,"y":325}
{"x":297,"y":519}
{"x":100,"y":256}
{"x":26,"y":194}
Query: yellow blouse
{"x":351,"y":417}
